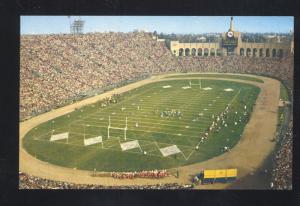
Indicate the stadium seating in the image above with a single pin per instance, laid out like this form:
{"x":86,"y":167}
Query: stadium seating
{"x":58,"y":69}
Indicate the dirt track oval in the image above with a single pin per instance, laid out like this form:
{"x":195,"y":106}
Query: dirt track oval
{"x":247,"y":155}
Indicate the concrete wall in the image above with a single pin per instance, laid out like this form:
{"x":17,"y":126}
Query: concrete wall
{"x":186,"y":48}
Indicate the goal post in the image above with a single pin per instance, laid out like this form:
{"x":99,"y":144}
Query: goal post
{"x":118,"y":128}
{"x":199,"y":84}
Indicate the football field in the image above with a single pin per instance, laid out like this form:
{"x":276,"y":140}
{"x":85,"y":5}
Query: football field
{"x":156,"y":126}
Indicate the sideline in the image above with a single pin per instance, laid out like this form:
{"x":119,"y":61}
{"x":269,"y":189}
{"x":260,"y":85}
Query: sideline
{"x":248,"y":155}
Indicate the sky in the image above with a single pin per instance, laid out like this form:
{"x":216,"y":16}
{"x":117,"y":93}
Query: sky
{"x":165,"y":24}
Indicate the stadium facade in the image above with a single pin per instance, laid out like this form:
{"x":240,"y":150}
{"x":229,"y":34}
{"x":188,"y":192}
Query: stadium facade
{"x":231,"y":44}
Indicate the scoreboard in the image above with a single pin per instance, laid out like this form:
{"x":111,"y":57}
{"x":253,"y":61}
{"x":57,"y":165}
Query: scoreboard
{"x":230,"y":42}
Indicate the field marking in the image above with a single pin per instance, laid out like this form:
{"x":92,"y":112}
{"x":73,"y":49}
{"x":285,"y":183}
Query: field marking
{"x":27,"y":165}
{"x":140,"y":148}
{"x":96,"y":147}
{"x":179,"y":106}
{"x":150,"y":108}
{"x":95,"y":134}
{"x":125,"y":100}
{"x":157,"y":145}
{"x":71,"y":142}
{"x":216,"y":107}
{"x":230,"y":102}
{"x":155,"y":132}
{"x":155,"y":142}
{"x":190,"y":154}
{"x":191,"y":134}
{"x":150,"y":112}
{"x":203,"y":121}
{"x":104,"y":108}
{"x":183,"y":155}
{"x":130,"y":101}
{"x":159,"y":121}
{"x":147,"y":125}
{"x":132,"y":119}
{"x":148,"y":131}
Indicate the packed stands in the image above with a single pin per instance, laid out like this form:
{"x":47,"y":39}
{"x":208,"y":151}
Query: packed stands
{"x":59,"y":69}
{"x":282,"y":171}
{"x":281,"y":68}
{"x":142,"y":174}
{"x":30,"y":182}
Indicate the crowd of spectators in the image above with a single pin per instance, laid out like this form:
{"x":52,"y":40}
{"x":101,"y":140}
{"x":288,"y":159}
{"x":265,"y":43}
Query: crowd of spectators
{"x":282,"y":171}
{"x":142,"y":174}
{"x":30,"y":182}
{"x":57,"y":68}
{"x":281,"y":68}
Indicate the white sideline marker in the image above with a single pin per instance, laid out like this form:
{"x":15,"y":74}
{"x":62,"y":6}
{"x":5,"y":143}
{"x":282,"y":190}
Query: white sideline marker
{"x":207,"y":88}
{"x":186,"y":87}
{"x":170,"y":150}
{"x":93,"y":140}
{"x":129,"y":145}
{"x":59,"y":136}
{"x":228,"y":90}
{"x":167,"y":86}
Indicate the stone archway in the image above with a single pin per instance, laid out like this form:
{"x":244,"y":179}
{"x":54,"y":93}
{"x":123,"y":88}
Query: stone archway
{"x":181,"y":52}
{"x":248,"y":53}
{"x":187,"y":52}
{"x":212,"y":52}
{"x":199,"y":52}
{"x":193,"y":52}
{"x":273,"y":52}
{"x":206,"y":52}
{"x":267,"y":52}
{"x":260,"y":52}
{"x":254,"y":53}
{"x":242,"y":52}
{"x":280,"y":53}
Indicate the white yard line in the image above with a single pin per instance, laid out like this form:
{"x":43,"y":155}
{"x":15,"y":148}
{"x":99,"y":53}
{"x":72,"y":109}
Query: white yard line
{"x":148,"y":131}
{"x":104,"y":108}
{"x":147,"y":125}
{"x":183,"y":155}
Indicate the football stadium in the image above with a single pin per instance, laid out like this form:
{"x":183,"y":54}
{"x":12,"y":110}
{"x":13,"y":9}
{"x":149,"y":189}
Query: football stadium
{"x":117,"y":110}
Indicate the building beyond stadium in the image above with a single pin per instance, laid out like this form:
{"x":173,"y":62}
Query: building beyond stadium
{"x":231,"y":44}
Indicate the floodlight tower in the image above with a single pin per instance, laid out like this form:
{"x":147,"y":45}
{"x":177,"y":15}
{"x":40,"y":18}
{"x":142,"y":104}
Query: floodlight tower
{"x":76,"y":26}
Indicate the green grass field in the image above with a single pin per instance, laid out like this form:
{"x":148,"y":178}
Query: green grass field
{"x":142,"y":107}
{"x":227,"y":76}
